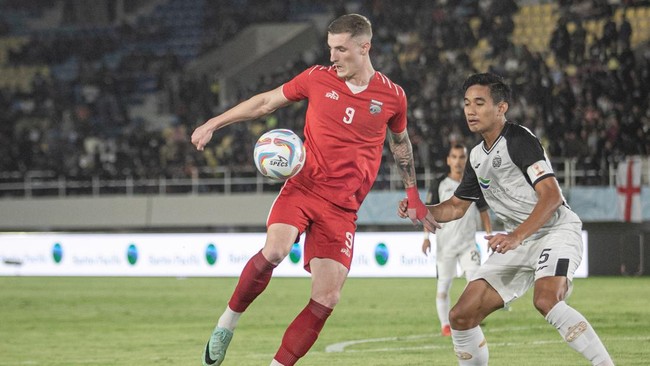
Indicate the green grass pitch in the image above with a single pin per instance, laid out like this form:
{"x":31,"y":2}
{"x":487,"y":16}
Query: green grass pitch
{"x":166,"y":321}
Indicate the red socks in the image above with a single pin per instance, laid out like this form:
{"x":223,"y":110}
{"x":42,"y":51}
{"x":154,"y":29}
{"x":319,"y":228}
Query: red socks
{"x":253,"y":280}
{"x":302,"y":333}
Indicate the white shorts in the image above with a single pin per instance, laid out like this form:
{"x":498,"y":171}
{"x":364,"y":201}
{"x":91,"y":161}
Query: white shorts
{"x":558,"y":253}
{"x":447,"y":260}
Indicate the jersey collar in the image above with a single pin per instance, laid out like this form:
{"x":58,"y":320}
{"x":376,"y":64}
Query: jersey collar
{"x":505,"y":128}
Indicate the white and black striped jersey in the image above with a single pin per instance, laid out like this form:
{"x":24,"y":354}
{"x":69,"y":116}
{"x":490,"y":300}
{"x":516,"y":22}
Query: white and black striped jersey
{"x":506,"y":176}
{"x":463,"y":230}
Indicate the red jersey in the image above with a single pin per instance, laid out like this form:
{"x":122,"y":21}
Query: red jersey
{"x":345,"y":132}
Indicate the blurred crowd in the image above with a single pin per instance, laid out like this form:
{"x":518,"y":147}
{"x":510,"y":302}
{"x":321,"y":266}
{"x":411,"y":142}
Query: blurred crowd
{"x":80,"y":121}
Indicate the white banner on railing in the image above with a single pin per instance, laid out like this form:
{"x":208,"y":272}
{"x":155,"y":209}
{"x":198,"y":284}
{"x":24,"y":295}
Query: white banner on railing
{"x":376,"y":254}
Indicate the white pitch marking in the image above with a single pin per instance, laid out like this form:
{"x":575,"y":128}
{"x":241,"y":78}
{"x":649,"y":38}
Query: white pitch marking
{"x":341,"y":346}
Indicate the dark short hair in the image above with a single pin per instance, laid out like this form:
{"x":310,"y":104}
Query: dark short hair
{"x":457,"y":145}
{"x":499,"y":90}
{"x":355,"y":24}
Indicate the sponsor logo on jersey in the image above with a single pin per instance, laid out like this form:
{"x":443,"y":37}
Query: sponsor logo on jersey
{"x":484,"y":182}
{"x":332,"y":95}
{"x":375,"y":106}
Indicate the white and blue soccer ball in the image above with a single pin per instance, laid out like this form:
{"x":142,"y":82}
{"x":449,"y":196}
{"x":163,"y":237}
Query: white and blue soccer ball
{"x":279,"y":154}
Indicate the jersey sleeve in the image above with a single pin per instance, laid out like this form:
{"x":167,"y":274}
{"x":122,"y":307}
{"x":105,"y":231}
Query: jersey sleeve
{"x":481,"y":204}
{"x":528,"y":155}
{"x":469,"y":189}
{"x":296,"y":88}
{"x":397,"y":123}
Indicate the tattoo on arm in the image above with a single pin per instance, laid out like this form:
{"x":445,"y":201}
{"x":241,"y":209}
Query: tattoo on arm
{"x":400,"y":146}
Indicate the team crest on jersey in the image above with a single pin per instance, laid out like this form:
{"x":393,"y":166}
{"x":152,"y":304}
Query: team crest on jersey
{"x":375,"y":106}
{"x":496,"y":161}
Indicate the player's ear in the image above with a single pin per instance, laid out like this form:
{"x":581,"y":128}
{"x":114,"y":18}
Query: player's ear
{"x":365,"y":48}
{"x":502,"y":108}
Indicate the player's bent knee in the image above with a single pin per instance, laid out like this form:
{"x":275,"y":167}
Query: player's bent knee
{"x":275,"y":253}
{"x":461,"y":320}
{"x":329,"y":299}
{"x":274,"y":256}
{"x":544,"y":304}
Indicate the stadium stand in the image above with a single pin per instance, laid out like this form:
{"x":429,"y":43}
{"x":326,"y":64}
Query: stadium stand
{"x":103,"y":96}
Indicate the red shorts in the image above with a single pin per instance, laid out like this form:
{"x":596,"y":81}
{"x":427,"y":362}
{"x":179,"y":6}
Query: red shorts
{"x":329,"y":229}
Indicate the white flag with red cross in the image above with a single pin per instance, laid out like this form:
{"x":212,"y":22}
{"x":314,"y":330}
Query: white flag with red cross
{"x":628,"y":187}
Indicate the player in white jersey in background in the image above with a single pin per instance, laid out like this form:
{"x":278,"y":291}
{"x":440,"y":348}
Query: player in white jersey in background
{"x":542,"y":246}
{"x":456,"y":240}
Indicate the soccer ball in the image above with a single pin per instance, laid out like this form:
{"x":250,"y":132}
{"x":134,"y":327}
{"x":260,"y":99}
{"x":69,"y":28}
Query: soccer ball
{"x":279,"y":154}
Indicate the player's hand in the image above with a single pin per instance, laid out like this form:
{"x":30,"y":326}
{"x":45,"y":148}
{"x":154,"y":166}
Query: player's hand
{"x":402,"y":208}
{"x":418,"y":212}
{"x":403,"y":212}
{"x":426,"y":246}
{"x":488,"y":249}
{"x":501,"y":243}
{"x":201,"y":136}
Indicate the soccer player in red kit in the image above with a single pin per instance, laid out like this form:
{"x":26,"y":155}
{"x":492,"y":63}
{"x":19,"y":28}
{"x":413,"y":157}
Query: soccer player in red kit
{"x":351,"y":108}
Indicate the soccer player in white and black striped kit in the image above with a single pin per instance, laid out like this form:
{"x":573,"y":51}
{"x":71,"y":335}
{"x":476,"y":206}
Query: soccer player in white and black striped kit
{"x":542,"y":246}
{"x":456,"y":240}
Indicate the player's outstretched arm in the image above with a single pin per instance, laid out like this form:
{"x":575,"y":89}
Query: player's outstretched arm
{"x":255,"y":107}
{"x":400,"y":146}
{"x":452,"y":209}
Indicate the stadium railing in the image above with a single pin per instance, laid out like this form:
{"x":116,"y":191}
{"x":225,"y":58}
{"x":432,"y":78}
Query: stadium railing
{"x":570,"y":172}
